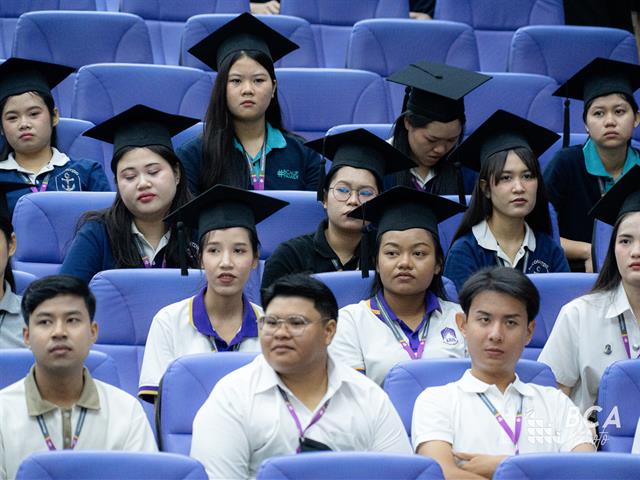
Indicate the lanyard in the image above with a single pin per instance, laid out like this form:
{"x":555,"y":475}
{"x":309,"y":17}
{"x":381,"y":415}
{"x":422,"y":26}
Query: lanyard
{"x":397,"y":332}
{"x":214,"y":348}
{"x":76,"y":435}
{"x":43,"y":185}
{"x":418,"y":185}
{"x":502,"y":422}
{"x":257,"y":177}
{"x":292,"y":411}
{"x":146,"y":262}
{"x":625,"y":336}
{"x":503,"y":263}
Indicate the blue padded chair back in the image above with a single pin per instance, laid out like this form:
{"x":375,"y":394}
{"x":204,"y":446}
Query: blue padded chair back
{"x":618,"y":398}
{"x":109,"y":465}
{"x":448,"y":228}
{"x":57,"y":215}
{"x":295,"y":29}
{"x":301,"y":216}
{"x":600,"y":243}
{"x":382,"y":130}
{"x":196,"y":374}
{"x":331,"y":22}
{"x":23,"y":279}
{"x":407,"y":380}
{"x":495,"y":22}
{"x":187,"y":135}
{"x":71,"y":141}
{"x":568,"y":466}
{"x":166,"y":22}
{"x":556,"y":290}
{"x":16,"y":362}
{"x":81,"y":38}
{"x":340,"y":97}
{"x":353,"y":465}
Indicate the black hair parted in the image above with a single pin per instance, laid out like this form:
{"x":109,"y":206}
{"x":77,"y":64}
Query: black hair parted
{"x":305,"y":286}
{"x":52,"y":286}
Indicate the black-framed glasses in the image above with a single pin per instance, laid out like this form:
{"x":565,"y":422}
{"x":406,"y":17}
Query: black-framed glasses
{"x":342,"y":193}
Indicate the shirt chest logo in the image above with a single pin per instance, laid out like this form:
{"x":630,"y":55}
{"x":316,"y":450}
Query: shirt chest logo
{"x":538,"y":266}
{"x":289,"y":174}
{"x":449,"y":336}
{"x":68,"y":180}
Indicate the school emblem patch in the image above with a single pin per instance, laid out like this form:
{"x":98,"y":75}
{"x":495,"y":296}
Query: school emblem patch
{"x":449,"y":336}
{"x":68,"y":181}
{"x":538,"y":266}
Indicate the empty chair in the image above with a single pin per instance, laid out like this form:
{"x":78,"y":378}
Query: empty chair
{"x":15,"y":364}
{"x":166,"y":22}
{"x":81,"y":38}
{"x":331,"y":22}
{"x":407,"y":380}
{"x":23,"y":279}
{"x":197,"y":375}
{"x":57,"y":215}
{"x":313,"y":100}
{"x":77,"y":465}
{"x":353,"y":465}
{"x":619,"y":410}
{"x":600,"y":244}
{"x":495,"y":22}
{"x":566,"y":466}
{"x":295,"y":29}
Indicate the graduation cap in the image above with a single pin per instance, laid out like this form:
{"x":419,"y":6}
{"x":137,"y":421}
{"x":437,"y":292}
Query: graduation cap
{"x":6,"y":187}
{"x":623,"y":197}
{"x":222,"y":206}
{"x":600,"y":77}
{"x":140,"y":126}
{"x":245,"y":32}
{"x":358,"y":148}
{"x":402,"y":208}
{"x":436,"y":90}
{"x":19,"y":75}
{"x":503,"y":131}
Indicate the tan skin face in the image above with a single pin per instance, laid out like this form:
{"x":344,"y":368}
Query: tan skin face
{"x":250,"y":89}
{"x":355,"y":179}
{"x":610,"y":121}
{"x":627,"y":250}
{"x":27,"y":124}
{"x":432,"y":142}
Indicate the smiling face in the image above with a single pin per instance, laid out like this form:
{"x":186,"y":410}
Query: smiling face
{"x":627,"y":250}
{"x":432,"y":142}
{"x":610,"y":121}
{"x":250,"y":89}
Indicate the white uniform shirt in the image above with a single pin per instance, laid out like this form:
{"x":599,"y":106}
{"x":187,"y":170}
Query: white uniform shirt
{"x":485,"y":238}
{"x":363,"y":341}
{"x":586,"y":339}
{"x":184,"y":328}
{"x":58,"y":159}
{"x":245,"y":420}
{"x":145,"y":248}
{"x":11,"y":322}
{"x":636,"y":440}
{"x":454,"y":413}
{"x":114,"y":421}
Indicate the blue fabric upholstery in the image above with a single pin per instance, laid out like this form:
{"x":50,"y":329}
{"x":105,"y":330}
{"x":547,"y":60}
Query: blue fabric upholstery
{"x":23,"y":279}
{"x":600,"y":244}
{"x":382,"y":130}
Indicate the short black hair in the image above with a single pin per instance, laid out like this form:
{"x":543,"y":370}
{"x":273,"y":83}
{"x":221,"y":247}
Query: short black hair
{"x":49,"y":287}
{"x":509,"y":281}
{"x":305,"y":286}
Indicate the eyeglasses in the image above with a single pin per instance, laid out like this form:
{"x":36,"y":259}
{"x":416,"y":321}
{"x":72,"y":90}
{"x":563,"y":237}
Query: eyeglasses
{"x":342,"y":193}
{"x":295,"y":324}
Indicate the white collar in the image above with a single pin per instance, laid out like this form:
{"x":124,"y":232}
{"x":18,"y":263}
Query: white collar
{"x":484,"y":237}
{"x":470,"y":384}
{"x":619,"y":303}
{"x":422,"y":180}
{"x":58,"y":159}
{"x":161,"y":244}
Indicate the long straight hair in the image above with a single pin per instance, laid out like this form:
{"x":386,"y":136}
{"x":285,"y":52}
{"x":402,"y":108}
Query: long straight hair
{"x":117,"y":219}
{"x":481,"y":207}
{"x":7,"y":230}
{"x":221,"y":162}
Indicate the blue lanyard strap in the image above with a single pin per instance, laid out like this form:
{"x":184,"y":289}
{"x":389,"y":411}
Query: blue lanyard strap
{"x":47,"y":438}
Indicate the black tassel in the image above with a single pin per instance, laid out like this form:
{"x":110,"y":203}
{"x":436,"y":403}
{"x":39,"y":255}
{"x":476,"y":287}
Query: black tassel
{"x":365,"y":251}
{"x":182,"y":251}
{"x":566,"y":130}
{"x":462,"y":199}
{"x":321,"y":179}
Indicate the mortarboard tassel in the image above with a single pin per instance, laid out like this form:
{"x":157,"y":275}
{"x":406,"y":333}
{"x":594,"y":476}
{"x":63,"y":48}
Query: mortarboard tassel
{"x":461,"y":197}
{"x":566,"y":124}
{"x":365,"y":251}
{"x":182,"y":252}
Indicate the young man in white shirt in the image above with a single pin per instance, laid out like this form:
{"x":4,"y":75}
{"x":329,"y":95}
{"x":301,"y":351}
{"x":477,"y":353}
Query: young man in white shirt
{"x":58,"y":405}
{"x":294,"y":398}
{"x":471,"y":425}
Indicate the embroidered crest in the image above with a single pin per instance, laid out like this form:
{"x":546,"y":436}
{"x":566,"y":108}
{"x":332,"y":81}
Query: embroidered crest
{"x":68,"y":181}
{"x":449,"y":336}
{"x":538,"y":266}
{"x":290,"y":174}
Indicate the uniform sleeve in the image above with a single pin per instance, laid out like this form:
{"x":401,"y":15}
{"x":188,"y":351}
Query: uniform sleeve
{"x":220,"y":441}
{"x":345,"y":347}
{"x":431,"y":419}
{"x":190,"y":155}
{"x":85,"y":257}
{"x":461,"y":263}
{"x":159,"y":352}
{"x":560,"y":351}
{"x":140,"y":438}
{"x":572,"y":427}
{"x":634,"y":449}
{"x":3,"y":461}
{"x":98,"y":181}
{"x":312,"y":167}
{"x":555,"y":182}
{"x":281,"y":262}
{"x":558,"y":261}
{"x":390,"y":435}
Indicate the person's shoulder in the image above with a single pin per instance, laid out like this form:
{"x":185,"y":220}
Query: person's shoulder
{"x":568,"y":157}
{"x":464,"y":242}
{"x":243,"y":379}
{"x":449,"y":306}
{"x":114,"y":395}
{"x":173,"y":313}
{"x":11,"y":392}
{"x":358,"y":308}
{"x":302,"y":246}
{"x":82,"y":164}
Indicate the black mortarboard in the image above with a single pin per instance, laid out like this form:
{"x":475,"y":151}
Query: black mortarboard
{"x":503,"y":131}
{"x":359,"y":148}
{"x":436,"y":90}
{"x":6,"y":187}
{"x":245,"y":32}
{"x":601,"y":76}
{"x":140,"y":126}
{"x":19,"y":75}
{"x":623,"y":197}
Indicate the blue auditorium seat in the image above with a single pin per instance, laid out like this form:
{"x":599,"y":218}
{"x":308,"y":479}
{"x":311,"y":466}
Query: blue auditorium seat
{"x":81,"y":38}
{"x":407,"y":380}
{"x":600,"y":243}
{"x":352,"y":465}
{"x":166,"y":22}
{"x":15,"y":364}
{"x":495,"y":22}
{"x":556,"y":290}
{"x":197,"y":375}
{"x":568,"y":466}
{"x":71,"y":141}
{"x":57,"y":215}
{"x":22,"y":279}
{"x":382,"y":130}
{"x":339,"y":96}
{"x":295,"y":29}
{"x":618,"y":398}
{"x":109,"y":465}
{"x":332,"y":20}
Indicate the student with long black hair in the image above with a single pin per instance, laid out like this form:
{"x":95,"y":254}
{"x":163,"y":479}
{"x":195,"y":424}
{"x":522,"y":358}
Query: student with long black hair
{"x":244,"y":142}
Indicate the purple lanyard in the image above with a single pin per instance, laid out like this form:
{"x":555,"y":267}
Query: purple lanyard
{"x":625,"y":336}
{"x":147,"y":263}
{"x":502,"y":422}
{"x":257,"y":178}
{"x":383,"y":315}
{"x":417,"y":184}
{"x":43,"y":185}
{"x":76,"y":435}
{"x":292,"y":411}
